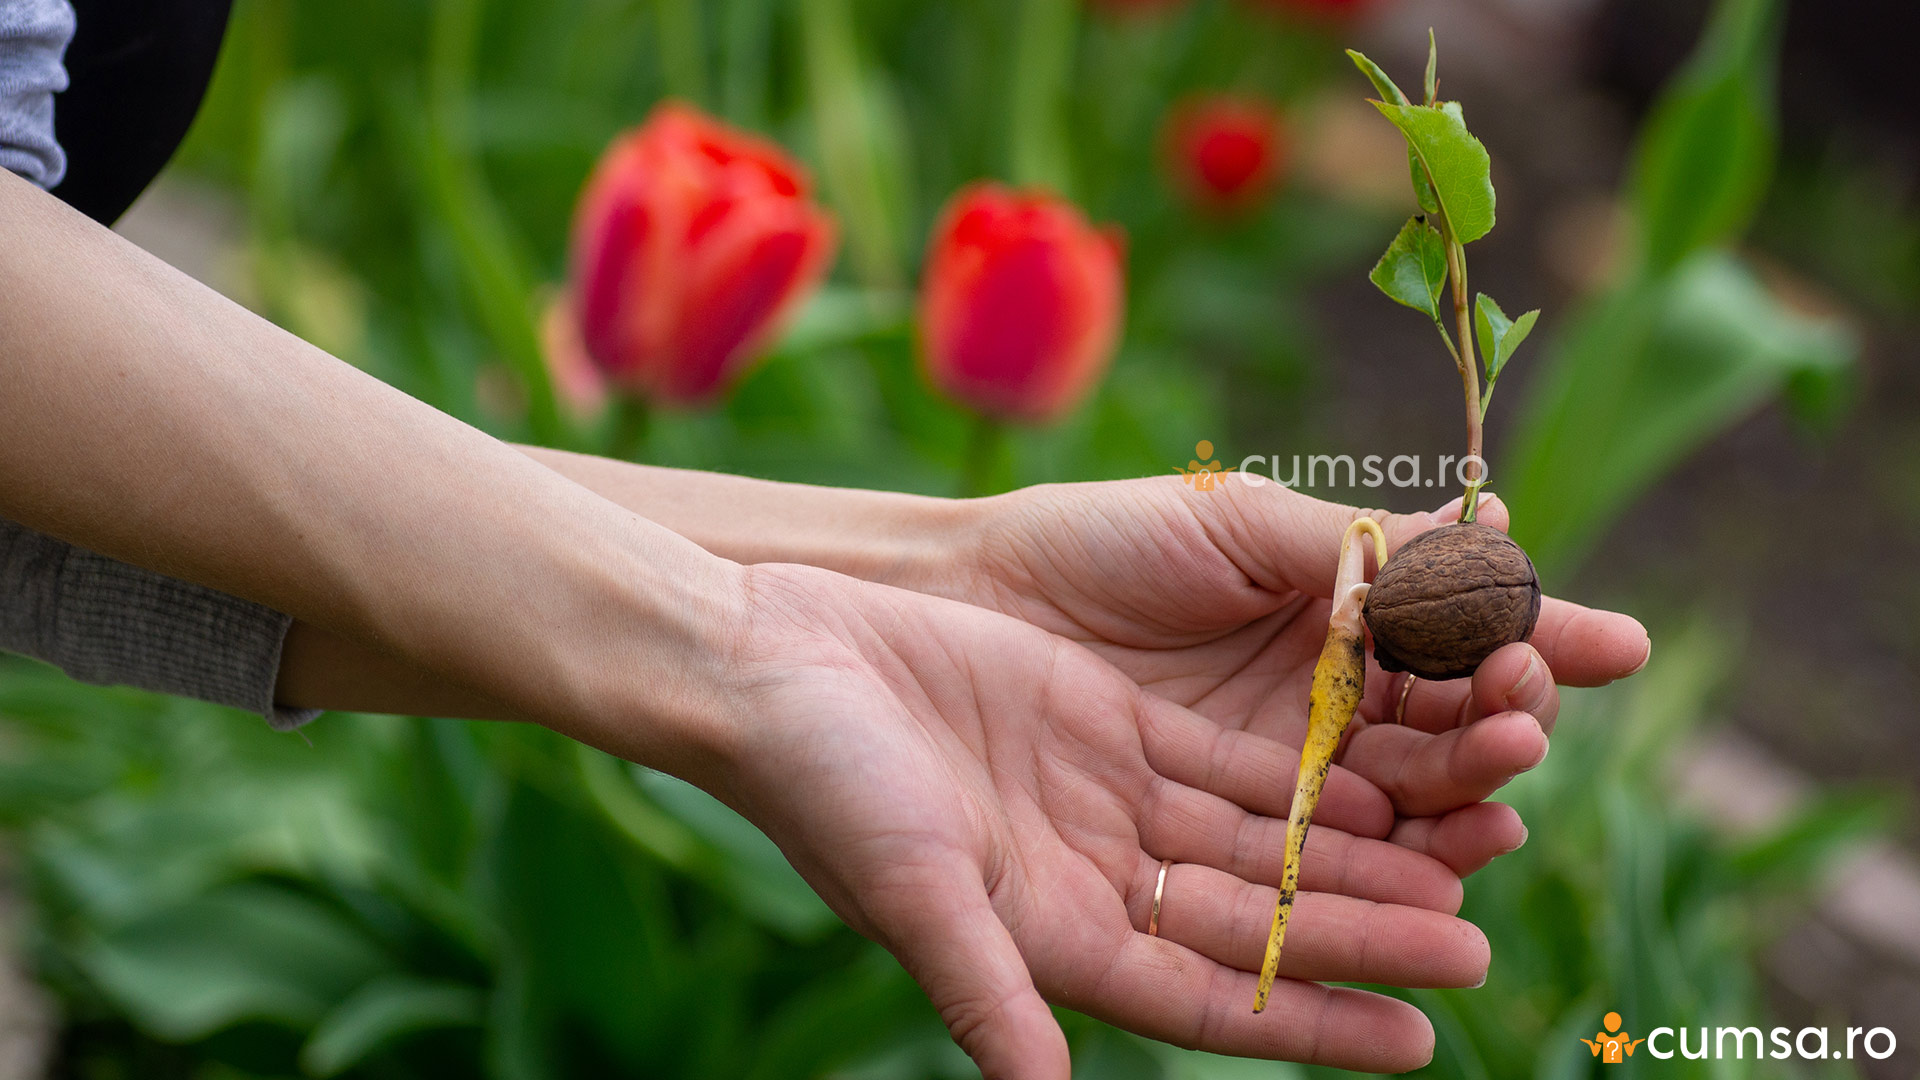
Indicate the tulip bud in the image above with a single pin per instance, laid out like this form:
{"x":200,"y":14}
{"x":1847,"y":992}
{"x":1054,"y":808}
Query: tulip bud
{"x":1020,"y":302}
{"x":1225,"y":152}
{"x":691,"y":241}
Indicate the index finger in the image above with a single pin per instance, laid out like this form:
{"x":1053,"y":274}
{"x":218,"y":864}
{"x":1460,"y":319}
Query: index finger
{"x":1586,"y":646}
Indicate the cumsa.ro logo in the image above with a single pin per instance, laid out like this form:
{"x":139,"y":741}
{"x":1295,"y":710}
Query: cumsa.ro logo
{"x":1203,"y":473}
{"x":1615,"y":1045}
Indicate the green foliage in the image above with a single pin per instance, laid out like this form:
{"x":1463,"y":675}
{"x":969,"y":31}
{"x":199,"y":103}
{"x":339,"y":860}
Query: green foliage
{"x":424,"y":898}
{"x":1389,"y":92}
{"x":1644,"y":377}
{"x":1618,"y":903}
{"x":1707,"y":152}
{"x":1690,"y":341}
{"x":1499,"y":335}
{"x":1454,"y":161}
{"x":1422,"y":183}
{"x":415,"y":897}
{"x":1413,"y":271}
{"x":1433,"y":68}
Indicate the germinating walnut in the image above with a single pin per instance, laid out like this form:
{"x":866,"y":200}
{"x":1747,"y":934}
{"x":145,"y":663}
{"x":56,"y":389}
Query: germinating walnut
{"x":1448,"y":599}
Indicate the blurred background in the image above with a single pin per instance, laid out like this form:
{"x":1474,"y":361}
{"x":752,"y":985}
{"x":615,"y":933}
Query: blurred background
{"x":1713,"y":427}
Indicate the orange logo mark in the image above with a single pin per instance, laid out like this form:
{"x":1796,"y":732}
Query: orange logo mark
{"x":1203,"y":473}
{"x":1613,"y":1045}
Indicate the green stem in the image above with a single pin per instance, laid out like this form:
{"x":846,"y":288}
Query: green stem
{"x":682,"y":49}
{"x":1042,"y":62}
{"x":980,"y":469}
{"x":1469,"y":364}
{"x":746,"y":36}
{"x":493,"y":265}
{"x":843,"y":116}
{"x":632,"y":425}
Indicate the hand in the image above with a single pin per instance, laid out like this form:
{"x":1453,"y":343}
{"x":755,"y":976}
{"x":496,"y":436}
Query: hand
{"x":1217,"y":601}
{"x":992,"y":803}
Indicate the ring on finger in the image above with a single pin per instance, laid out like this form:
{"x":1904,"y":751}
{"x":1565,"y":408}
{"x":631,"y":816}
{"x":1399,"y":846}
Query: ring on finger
{"x":1159,"y":891}
{"x":1400,"y":706}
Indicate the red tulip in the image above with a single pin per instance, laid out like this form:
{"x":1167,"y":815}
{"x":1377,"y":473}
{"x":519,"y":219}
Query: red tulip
{"x":1020,"y":303}
{"x":1225,"y":152}
{"x":691,"y":241}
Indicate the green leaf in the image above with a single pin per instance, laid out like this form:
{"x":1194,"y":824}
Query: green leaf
{"x":754,"y":874}
{"x":382,"y":1011}
{"x":1388,"y":91}
{"x":1422,"y":188}
{"x":246,"y":952}
{"x":1706,"y":155}
{"x":1457,"y":162}
{"x":1414,"y":268}
{"x":1499,"y":335}
{"x":1422,"y":184}
{"x":1433,"y":67}
{"x":1642,"y":379}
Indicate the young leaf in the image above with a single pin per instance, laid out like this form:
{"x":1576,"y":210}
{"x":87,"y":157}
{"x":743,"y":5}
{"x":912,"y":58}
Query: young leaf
{"x":1414,"y":268}
{"x":1422,"y":190}
{"x":1422,"y":187}
{"x":1499,"y":335}
{"x":1456,"y":160}
{"x":1388,"y":92}
{"x":1433,"y":67}
{"x":1510,"y":341}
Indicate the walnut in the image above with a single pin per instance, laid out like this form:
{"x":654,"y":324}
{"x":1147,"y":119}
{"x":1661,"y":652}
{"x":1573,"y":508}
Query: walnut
{"x":1448,"y":599}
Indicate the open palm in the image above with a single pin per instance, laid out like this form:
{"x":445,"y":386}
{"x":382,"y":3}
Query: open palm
{"x":1216,"y":600}
{"x":992,"y":803}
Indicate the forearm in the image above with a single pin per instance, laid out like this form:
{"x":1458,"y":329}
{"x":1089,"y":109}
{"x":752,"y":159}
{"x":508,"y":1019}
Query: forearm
{"x":897,"y":539}
{"x":149,"y":419}
{"x":908,"y":540}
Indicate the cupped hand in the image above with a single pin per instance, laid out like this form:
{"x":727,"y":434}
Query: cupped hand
{"x":992,"y":803}
{"x":1217,"y":600}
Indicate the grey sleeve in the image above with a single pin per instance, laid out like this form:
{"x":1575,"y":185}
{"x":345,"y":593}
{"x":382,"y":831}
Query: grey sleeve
{"x":33,"y":42}
{"x":102,"y":621}
{"x":109,"y":623}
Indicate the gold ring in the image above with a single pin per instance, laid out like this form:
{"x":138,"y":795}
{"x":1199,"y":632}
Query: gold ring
{"x":1406,"y":691}
{"x":1159,"y":890}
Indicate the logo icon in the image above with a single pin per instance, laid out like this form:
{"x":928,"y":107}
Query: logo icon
{"x":1203,"y":473}
{"x":1613,"y":1045}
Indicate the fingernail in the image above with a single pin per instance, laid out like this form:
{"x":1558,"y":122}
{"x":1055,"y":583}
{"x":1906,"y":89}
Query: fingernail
{"x":1529,"y":693}
{"x":1546,"y":745}
{"x":1522,"y":842}
{"x":1643,"y":660}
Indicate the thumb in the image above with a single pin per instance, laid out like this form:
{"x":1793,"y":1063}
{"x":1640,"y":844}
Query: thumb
{"x":942,"y":927}
{"x":1286,"y":540}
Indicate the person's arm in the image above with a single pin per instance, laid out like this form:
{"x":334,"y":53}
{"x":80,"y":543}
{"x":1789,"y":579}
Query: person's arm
{"x":972,"y":792}
{"x":151,"y":420}
{"x":913,"y":541}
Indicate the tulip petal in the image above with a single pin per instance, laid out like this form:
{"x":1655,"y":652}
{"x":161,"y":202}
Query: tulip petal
{"x":692,"y":239}
{"x":1021,"y":303}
